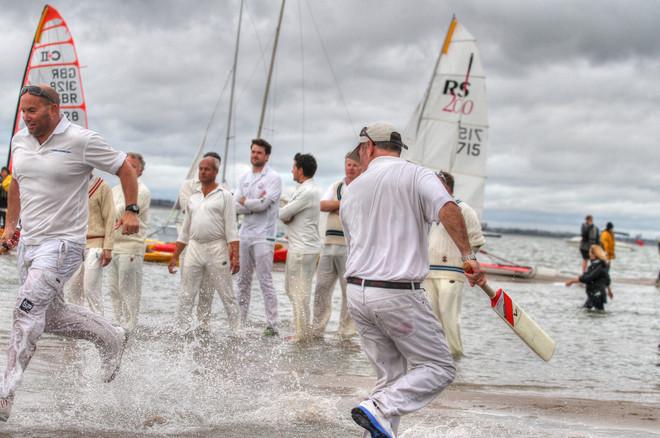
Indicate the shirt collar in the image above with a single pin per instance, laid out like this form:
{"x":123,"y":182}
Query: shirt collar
{"x":383,"y":161}
{"x":62,"y":126}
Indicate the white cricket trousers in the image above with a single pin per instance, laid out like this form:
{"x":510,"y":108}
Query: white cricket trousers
{"x":86,"y":283}
{"x":40,"y":307}
{"x":125,"y":285}
{"x":206,"y":265}
{"x":204,"y":300}
{"x":299,"y":273}
{"x":332,"y":267}
{"x":257,"y":252}
{"x":405,"y":344}
{"x":446,"y":296}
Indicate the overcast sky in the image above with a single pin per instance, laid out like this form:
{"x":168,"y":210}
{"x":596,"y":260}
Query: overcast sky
{"x":573,"y":91}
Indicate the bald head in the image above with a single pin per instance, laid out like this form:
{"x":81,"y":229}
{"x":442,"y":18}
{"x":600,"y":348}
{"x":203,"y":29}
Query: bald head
{"x":40,"y":109}
{"x":43,"y":91}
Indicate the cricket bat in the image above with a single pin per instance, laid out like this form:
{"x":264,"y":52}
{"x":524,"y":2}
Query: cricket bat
{"x":521,"y":323}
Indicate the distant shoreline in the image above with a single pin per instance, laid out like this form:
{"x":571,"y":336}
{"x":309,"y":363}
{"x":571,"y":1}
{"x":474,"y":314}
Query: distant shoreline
{"x":168,"y":203}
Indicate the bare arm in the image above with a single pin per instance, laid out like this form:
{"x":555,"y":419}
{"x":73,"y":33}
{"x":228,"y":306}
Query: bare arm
{"x":452,"y":219}
{"x":129,"y":221}
{"x":330,"y":206}
{"x":171,"y":266}
{"x":234,"y":257}
{"x":13,"y":210}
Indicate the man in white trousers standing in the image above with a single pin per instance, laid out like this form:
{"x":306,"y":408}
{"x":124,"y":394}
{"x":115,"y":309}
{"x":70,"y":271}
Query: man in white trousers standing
{"x":210,"y":235}
{"x":52,"y":162}
{"x":85,"y":285}
{"x":332,"y":264}
{"x":301,"y":215}
{"x":445,"y":282}
{"x":205,"y":298}
{"x":386,"y":214}
{"x":257,"y":198}
{"x":125,"y":276}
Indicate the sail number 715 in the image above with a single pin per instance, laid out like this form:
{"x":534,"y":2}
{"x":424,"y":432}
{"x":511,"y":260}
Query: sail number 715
{"x":469,"y":141}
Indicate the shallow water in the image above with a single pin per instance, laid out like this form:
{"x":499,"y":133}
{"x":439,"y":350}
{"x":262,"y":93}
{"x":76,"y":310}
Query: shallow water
{"x":253,"y":386}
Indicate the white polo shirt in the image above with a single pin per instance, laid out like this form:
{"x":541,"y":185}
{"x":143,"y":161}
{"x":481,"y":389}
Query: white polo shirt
{"x":53,"y":178}
{"x":386,"y":213}
{"x":303,"y":210}
{"x":262,"y":192}
{"x":211,"y":217}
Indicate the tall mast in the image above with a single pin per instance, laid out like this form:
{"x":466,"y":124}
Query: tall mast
{"x":445,"y":48}
{"x":231,"y":95}
{"x":37,"y":34}
{"x":270,"y":71}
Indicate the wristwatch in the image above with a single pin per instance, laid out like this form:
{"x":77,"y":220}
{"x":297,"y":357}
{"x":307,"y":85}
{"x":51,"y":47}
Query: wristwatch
{"x":133,"y":208}
{"x":465,"y":258}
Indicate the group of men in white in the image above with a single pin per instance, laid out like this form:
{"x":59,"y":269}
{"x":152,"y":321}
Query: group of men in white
{"x":389,"y":223}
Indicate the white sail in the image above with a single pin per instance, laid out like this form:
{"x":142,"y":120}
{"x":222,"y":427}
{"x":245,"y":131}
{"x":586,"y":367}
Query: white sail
{"x":449,"y":129}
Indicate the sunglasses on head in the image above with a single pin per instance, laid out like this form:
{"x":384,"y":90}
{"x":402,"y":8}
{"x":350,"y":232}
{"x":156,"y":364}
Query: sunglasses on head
{"x":35,"y":90}
{"x":364,"y":133}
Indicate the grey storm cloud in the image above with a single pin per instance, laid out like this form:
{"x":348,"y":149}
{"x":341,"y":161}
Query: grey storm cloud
{"x":572,"y":93}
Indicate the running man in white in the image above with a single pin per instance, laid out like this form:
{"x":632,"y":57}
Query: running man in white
{"x":210,"y":236}
{"x":205,"y":298}
{"x":53,"y":160}
{"x":125,"y":276}
{"x":301,"y":215}
{"x":445,"y":282}
{"x":85,"y":285}
{"x":257,"y":198}
{"x":332,"y":264}
{"x":386,"y":214}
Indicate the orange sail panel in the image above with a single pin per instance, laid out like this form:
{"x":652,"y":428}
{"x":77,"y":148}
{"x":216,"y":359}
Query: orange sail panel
{"x":53,"y":60}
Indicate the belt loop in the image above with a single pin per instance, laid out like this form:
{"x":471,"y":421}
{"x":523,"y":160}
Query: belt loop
{"x":412,"y":285}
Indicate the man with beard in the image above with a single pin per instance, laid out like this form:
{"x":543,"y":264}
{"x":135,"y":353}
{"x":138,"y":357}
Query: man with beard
{"x":257,"y":198}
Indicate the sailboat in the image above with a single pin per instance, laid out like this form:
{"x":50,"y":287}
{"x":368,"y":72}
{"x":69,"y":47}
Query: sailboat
{"x":158,"y":251}
{"x":449,"y":131}
{"x":53,"y":60}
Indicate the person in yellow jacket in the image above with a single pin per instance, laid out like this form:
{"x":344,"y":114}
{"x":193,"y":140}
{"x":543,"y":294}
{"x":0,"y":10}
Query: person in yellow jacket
{"x":607,"y":241}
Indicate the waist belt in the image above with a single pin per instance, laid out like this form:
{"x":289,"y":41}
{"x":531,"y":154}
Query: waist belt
{"x":337,"y":233}
{"x":95,"y":237}
{"x":447,"y":268}
{"x":384,"y":284}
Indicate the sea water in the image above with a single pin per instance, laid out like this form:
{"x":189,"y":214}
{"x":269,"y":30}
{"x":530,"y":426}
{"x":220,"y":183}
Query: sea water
{"x":251,"y":386}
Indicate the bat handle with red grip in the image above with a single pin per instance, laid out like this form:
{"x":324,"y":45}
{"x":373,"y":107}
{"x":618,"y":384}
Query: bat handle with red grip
{"x":487,"y":289}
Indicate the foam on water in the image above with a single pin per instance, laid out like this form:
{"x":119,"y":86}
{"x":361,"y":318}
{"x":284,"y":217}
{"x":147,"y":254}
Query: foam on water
{"x":249,"y":386}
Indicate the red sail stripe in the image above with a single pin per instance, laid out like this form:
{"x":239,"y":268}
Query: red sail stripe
{"x":56,"y":64}
{"x":54,"y":43}
{"x":54,"y":26}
